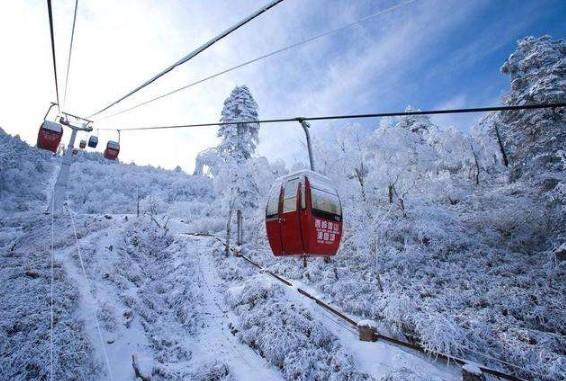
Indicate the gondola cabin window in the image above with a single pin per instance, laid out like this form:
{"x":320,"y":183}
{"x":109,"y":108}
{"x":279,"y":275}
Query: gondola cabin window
{"x":325,"y":204}
{"x":272,"y":210}
{"x":290,"y":195}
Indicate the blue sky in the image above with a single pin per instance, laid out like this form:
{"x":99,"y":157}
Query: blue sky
{"x":428,"y":54}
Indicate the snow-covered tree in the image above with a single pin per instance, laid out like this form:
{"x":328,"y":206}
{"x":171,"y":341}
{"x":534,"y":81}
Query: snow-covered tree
{"x":235,"y":180}
{"x":534,"y":140}
{"x":206,"y":162}
{"x":402,"y":155}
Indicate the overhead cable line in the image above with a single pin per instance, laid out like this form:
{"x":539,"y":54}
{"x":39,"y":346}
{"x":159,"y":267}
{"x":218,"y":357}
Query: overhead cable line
{"x":78,"y":247}
{"x":51,"y":283}
{"x":264,"y":56}
{"x":53,"y":51}
{"x":358,"y":116}
{"x":192,"y":54}
{"x":70,"y":53}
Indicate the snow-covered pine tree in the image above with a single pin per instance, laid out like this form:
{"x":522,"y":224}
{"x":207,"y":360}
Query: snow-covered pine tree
{"x":239,"y":141}
{"x":419,"y":124}
{"x":534,"y":140}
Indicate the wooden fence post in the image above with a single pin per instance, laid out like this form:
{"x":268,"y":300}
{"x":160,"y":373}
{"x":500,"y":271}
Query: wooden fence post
{"x":472,"y":372}
{"x":367,"y":330}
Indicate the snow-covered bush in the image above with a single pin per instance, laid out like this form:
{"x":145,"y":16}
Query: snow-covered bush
{"x":215,"y":371}
{"x":164,"y":294}
{"x":287,"y":335}
{"x":25,"y":314}
{"x":109,"y":187}
{"x":24,"y":175}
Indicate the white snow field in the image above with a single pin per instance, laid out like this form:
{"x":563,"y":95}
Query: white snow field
{"x":454,"y":241}
{"x":176,"y":304}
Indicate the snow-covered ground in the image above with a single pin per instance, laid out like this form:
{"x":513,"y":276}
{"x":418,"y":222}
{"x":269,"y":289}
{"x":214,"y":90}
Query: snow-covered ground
{"x":165,"y":299}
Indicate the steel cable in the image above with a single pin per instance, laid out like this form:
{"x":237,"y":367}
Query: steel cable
{"x":70,"y":53}
{"x":109,"y":368}
{"x":52,"y":280}
{"x":359,"y":116}
{"x":50,"y":11}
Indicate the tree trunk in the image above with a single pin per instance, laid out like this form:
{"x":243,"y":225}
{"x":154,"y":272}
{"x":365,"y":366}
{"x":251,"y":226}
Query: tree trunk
{"x":138,"y":203}
{"x":501,"y":147}
{"x":229,"y":230}
{"x":477,"y":165}
{"x":373,"y":249}
{"x":360,"y":175}
{"x":390,"y":191}
{"x":239,"y":221}
{"x":393,"y":193}
{"x":402,"y":206}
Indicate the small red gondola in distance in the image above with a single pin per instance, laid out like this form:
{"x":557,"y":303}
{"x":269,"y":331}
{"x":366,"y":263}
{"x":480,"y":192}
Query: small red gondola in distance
{"x":304,"y":216}
{"x":49,"y":136}
{"x":112,"y":150}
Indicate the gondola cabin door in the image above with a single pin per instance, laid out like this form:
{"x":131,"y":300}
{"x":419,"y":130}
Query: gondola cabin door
{"x":323,"y":230}
{"x":291,"y":232}
{"x":272,"y":224}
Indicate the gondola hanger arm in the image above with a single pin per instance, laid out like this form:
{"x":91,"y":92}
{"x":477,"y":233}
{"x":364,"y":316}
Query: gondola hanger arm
{"x":306,"y":125}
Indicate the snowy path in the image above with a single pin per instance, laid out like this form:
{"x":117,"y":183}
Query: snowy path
{"x":212,"y":342}
{"x":122,"y":342}
{"x":215,"y":340}
{"x":379,"y":358}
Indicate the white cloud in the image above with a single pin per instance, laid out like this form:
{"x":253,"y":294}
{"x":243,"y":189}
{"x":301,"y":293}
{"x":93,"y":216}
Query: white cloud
{"x":119,"y":44}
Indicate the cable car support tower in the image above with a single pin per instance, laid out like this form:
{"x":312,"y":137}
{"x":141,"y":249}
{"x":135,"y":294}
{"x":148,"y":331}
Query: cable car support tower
{"x":76,"y":124}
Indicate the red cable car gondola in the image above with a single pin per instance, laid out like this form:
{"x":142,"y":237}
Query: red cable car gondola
{"x":304,"y":216}
{"x":50,"y":133}
{"x":112,"y":150}
{"x":49,"y":136}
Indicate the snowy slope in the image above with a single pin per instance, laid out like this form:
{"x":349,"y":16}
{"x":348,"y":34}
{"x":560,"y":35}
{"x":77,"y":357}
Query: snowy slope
{"x":446,"y":242}
{"x":160,"y":298}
